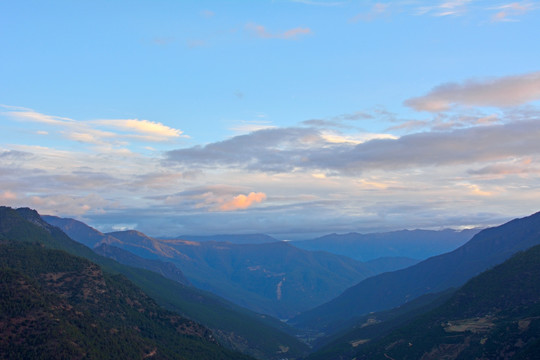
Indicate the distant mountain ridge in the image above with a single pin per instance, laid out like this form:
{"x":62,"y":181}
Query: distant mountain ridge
{"x":489,"y":247}
{"x":234,"y":239}
{"x":275,"y":278}
{"x":415,"y":244}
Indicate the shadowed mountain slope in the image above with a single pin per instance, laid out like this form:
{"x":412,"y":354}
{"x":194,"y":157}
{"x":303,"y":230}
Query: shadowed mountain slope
{"x":415,"y":244}
{"x":495,"y":315}
{"x":56,"y":305}
{"x":487,"y":248}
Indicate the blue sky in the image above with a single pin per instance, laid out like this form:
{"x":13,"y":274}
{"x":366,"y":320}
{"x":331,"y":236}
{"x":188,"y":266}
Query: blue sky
{"x":293,"y":118}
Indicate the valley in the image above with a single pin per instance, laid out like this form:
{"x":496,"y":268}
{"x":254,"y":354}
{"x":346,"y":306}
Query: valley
{"x":331,"y":306}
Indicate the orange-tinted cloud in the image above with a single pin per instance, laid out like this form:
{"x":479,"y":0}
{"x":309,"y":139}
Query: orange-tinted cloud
{"x":243,"y":202}
{"x":149,"y":129}
{"x":8,"y":195}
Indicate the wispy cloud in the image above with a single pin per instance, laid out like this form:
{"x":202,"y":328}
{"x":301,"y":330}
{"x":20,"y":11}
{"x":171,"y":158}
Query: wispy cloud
{"x":509,"y":12}
{"x":261,"y":32}
{"x":251,"y":126}
{"x":196,"y":43}
{"x":148,"y":129}
{"x":496,"y":92}
{"x":319,"y":3}
{"x":446,"y":8}
{"x":99,"y":132}
{"x":377,"y":10}
{"x":30,"y":115}
{"x":162,"y":40}
{"x":66,"y":204}
{"x":506,"y":12}
{"x":208,"y":13}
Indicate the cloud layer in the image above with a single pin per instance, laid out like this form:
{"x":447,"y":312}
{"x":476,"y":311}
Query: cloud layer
{"x":307,"y":149}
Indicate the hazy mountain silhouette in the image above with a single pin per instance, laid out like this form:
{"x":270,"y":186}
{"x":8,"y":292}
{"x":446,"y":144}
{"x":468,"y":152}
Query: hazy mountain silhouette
{"x":273,"y":278}
{"x":487,"y":248}
{"x":495,"y":315}
{"x":415,"y":244}
{"x":232,"y":238}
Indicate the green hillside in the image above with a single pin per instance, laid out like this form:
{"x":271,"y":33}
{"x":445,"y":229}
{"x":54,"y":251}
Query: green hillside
{"x":55,"y":305}
{"x":495,"y":315}
{"x":234,"y":327}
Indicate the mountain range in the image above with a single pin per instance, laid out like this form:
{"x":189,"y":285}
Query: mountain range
{"x":231,"y":238}
{"x":495,"y":315}
{"x":234,"y":327}
{"x":274,"y":278}
{"x":478,"y":301}
{"x":57,"y":305}
{"x":414,"y":244}
{"x":488,"y":248}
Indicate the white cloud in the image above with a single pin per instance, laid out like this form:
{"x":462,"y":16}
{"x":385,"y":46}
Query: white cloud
{"x":247,"y":127}
{"x":30,"y":115}
{"x":99,"y":132}
{"x":148,"y":129}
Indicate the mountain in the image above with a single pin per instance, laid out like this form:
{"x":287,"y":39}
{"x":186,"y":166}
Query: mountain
{"x":234,"y":239}
{"x":495,"y":315}
{"x":56,"y":305}
{"x":415,"y":244}
{"x":101,"y":243}
{"x":167,"y":269}
{"x":392,"y":263}
{"x":272,"y":278}
{"x":76,"y":229}
{"x":370,"y":327}
{"x":237,"y":328}
{"x":487,"y":248}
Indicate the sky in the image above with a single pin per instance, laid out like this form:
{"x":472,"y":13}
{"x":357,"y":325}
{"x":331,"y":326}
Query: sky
{"x":295,"y":118}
